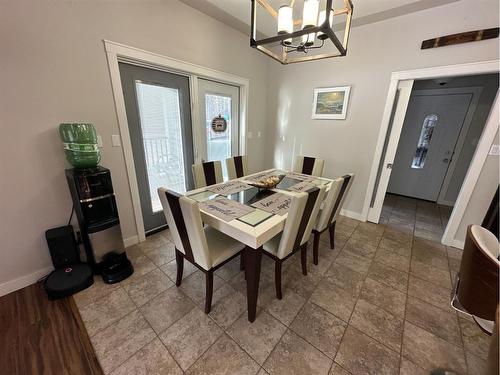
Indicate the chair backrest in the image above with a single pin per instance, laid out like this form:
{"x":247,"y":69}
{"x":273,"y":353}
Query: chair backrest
{"x":479,"y":270}
{"x":344,"y":189}
{"x":308,"y":165}
{"x":236,"y":167}
{"x":184,"y":220}
{"x":208,"y":173}
{"x":302,"y":215}
{"x":324,"y":218}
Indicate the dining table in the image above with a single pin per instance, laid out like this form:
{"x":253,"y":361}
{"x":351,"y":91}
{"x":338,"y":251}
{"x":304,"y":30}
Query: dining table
{"x":252,"y":215}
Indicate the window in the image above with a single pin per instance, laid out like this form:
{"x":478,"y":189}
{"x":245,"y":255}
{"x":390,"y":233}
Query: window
{"x":160,"y":115}
{"x":424,"y":140}
{"x":218,"y":144}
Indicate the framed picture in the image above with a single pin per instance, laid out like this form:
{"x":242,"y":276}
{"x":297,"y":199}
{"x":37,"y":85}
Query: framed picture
{"x":330,"y":103}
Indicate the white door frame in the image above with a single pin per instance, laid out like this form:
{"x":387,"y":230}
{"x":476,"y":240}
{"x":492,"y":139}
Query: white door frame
{"x":477,"y":162}
{"x":116,"y":53}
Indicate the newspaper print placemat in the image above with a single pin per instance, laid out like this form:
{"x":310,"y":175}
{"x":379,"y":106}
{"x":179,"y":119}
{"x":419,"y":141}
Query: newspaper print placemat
{"x":277,"y":203}
{"x":230,"y":187}
{"x":225,"y":209}
{"x":300,"y":176}
{"x":304,"y":185}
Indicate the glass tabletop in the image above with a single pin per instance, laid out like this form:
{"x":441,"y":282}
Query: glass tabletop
{"x":252,"y":195}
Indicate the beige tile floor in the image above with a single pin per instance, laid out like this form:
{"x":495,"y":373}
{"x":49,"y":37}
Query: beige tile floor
{"x":377,"y":304}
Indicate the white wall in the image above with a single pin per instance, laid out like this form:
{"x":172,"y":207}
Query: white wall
{"x":375,"y":50}
{"x":53,"y":69}
{"x":481,"y":197}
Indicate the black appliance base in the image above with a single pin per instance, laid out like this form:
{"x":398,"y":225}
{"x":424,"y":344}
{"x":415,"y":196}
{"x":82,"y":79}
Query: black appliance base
{"x":64,"y":282}
{"x":115,"y":268}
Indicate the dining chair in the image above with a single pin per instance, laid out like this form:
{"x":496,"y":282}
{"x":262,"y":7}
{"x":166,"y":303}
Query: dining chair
{"x":330,"y":211}
{"x":308,"y":165}
{"x":302,"y":215}
{"x":207,"y":173}
{"x":237,"y":167}
{"x":203,"y":246}
{"x":475,"y":291}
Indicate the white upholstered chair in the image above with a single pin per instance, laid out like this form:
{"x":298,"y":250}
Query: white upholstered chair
{"x":308,"y":165}
{"x":207,"y":173}
{"x":301,"y":218}
{"x":205,"y":247}
{"x":330,"y":211}
{"x":237,"y":167}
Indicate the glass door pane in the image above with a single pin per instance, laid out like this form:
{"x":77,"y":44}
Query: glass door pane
{"x":218,"y":100}
{"x":160,"y":120}
{"x":218,"y":143}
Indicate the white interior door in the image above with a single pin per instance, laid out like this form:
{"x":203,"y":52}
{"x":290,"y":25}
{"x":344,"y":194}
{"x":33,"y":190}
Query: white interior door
{"x":403,"y":97}
{"x":217,"y":99}
{"x":426,"y":145}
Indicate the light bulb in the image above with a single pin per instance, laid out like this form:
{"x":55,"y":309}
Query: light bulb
{"x":285,"y":22}
{"x":321,"y":19}
{"x":310,"y":13}
{"x":309,"y":19}
{"x":308,"y":39}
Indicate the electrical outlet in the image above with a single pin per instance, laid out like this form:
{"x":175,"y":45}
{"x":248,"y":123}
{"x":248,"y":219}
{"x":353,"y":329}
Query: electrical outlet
{"x":259,"y":133}
{"x":116,"y":141}
{"x":495,"y":150}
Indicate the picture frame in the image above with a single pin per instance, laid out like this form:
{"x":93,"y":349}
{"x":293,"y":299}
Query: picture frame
{"x":330,"y":103}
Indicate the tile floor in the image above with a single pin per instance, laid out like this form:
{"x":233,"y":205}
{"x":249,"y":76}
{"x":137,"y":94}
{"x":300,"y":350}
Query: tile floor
{"x":377,"y":304}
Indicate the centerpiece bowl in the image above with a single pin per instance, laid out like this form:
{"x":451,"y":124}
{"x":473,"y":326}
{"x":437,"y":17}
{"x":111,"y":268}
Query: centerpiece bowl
{"x":269,"y":182}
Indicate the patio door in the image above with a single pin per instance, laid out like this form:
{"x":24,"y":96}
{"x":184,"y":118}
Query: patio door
{"x":159,"y":119}
{"x":220,"y":102}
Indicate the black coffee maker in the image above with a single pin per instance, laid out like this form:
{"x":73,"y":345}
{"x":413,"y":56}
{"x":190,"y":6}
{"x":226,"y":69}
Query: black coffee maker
{"x":95,"y":207}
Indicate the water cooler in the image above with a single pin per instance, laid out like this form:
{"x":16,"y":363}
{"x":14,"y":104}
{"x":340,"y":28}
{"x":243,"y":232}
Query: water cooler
{"x":97,"y":214}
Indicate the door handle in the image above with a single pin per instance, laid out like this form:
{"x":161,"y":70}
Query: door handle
{"x":446,"y":160}
{"x":389,"y":166}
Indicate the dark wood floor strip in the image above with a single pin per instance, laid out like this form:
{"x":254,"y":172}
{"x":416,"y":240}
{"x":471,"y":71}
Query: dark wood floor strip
{"x":38,"y":336}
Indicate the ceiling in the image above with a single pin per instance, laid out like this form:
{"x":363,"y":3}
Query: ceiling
{"x":236,"y":13}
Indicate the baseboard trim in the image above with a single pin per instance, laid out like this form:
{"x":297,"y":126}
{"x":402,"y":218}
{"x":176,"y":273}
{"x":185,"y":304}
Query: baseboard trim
{"x":23,"y":281}
{"x":131,"y":241}
{"x":458,"y":244}
{"x":352,"y":215}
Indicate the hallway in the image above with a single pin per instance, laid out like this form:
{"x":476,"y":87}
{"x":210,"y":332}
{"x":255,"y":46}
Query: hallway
{"x":423,"y":219}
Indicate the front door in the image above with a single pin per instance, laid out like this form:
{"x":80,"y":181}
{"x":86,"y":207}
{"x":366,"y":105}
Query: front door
{"x":159,"y":120}
{"x":431,"y":128}
{"x":220,"y":140}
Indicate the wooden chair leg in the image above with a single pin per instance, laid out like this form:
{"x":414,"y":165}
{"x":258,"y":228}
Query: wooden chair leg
{"x":179,"y":259}
{"x":209,"y":276}
{"x":331,"y":229}
{"x":315,"y":247}
{"x":277,"y":278}
{"x":242,"y":262}
{"x":303,"y":258}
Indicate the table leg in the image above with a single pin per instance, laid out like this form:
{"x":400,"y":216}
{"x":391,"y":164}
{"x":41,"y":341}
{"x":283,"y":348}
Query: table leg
{"x":252,"y":272}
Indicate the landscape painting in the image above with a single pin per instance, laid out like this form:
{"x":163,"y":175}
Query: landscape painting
{"x":330,"y":103}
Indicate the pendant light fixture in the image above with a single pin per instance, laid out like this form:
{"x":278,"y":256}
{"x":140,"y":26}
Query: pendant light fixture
{"x":302,"y":35}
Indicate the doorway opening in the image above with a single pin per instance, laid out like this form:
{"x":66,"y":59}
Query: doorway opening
{"x":441,"y":121}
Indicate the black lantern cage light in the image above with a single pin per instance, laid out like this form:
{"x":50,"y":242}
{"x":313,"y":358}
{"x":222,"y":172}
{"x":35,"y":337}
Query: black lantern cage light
{"x":323,"y":31}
